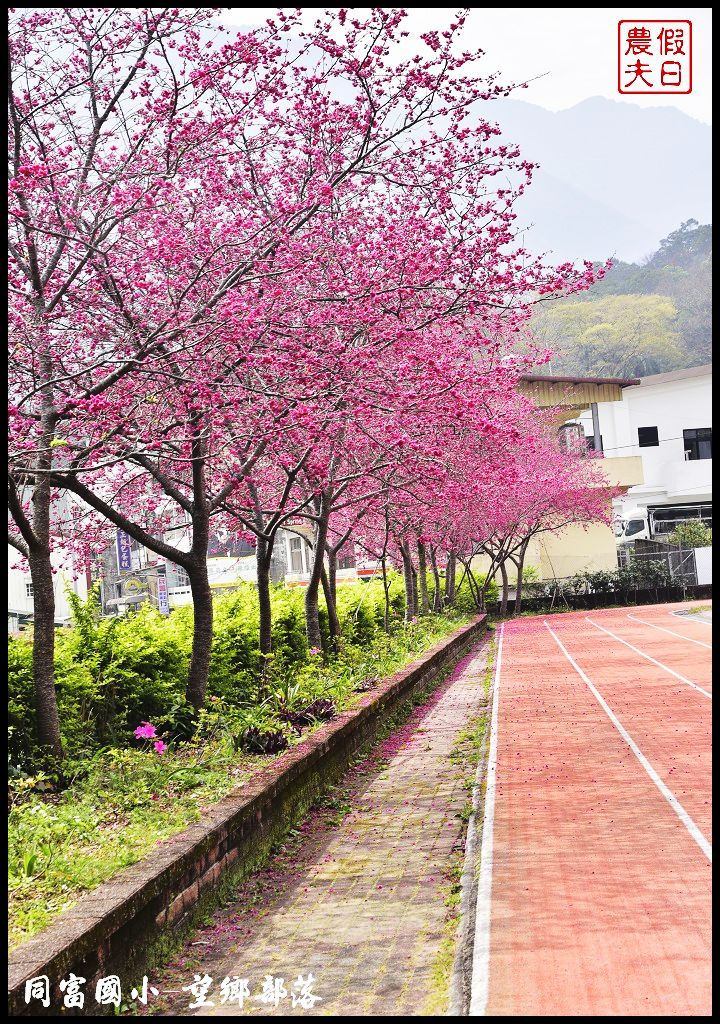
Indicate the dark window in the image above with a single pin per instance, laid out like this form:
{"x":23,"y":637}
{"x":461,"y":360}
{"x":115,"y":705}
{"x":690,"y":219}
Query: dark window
{"x":666,"y":518}
{"x":648,"y":437}
{"x":634,"y":526}
{"x":590,"y":441}
{"x":698,"y":443}
{"x":29,"y":590}
{"x":347,"y":562}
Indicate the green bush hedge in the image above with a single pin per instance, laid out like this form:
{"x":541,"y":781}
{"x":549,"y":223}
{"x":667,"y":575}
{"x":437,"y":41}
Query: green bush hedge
{"x":112,"y":674}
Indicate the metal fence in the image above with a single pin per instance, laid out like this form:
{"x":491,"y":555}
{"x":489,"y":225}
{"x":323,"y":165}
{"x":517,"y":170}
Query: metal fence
{"x":664,"y":573}
{"x":651,"y":558}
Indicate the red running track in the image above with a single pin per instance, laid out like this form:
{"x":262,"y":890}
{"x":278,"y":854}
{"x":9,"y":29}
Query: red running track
{"x":600,"y":889}
{"x":667,"y":616}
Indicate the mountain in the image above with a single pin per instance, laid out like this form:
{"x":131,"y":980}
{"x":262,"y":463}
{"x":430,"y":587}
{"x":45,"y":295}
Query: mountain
{"x":615,"y":178}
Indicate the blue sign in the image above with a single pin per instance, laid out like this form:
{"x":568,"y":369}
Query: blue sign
{"x":124,"y":551}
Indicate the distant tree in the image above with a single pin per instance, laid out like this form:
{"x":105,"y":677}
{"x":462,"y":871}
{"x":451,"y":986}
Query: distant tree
{"x":681,"y":271}
{"x":684,"y":247}
{"x":613,"y":336}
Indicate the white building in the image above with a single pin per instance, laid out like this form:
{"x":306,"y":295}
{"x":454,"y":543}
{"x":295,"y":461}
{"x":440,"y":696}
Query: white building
{"x":20,"y":590}
{"x":666,"y":420}
{"x":297,"y":542}
{"x":69,"y":575}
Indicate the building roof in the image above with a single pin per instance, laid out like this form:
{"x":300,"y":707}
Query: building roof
{"x":689,"y":373}
{"x":573,"y":392}
{"x":623,"y":382}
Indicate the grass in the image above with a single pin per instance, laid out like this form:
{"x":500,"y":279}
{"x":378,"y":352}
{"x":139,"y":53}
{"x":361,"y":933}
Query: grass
{"x":126,"y":801}
{"x":465,"y":757}
{"x":63,"y":846}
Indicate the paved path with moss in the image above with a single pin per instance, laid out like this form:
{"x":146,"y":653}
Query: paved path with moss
{"x":362,"y":897}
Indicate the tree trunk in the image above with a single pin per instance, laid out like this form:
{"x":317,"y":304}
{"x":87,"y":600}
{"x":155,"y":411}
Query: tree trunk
{"x":333,"y":621}
{"x":202,"y":634}
{"x":481,"y":592}
{"x":437,"y":592}
{"x":410,"y":598}
{"x":450,"y":578}
{"x":477,"y":593}
{"x":518,"y":588}
{"x":38,"y":549}
{"x":505,"y":588}
{"x":263,"y":554}
{"x":386,"y":591}
{"x":424,"y":606}
{"x":43,"y":656}
{"x":312,"y":610}
{"x":332,"y":574}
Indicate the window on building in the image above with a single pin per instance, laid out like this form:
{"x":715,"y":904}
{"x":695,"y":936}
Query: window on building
{"x":698,"y":443}
{"x":347,"y":562}
{"x":648,"y":437}
{"x":177,"y":577}
{"x":296,"y":558}
{"x":29,"y":590}
{"x":590,"y":441}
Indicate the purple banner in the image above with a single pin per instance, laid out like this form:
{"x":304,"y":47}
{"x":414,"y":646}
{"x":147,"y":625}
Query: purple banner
{"x":124,"y":551}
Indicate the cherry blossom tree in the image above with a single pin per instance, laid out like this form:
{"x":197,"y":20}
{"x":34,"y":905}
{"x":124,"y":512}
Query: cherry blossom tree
{"x":544,"y":488}
{"x":94,"y":104}
{"x":231,"y":262}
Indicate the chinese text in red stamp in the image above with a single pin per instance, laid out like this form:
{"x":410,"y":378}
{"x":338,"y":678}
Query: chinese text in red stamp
{"x":654,"y":57}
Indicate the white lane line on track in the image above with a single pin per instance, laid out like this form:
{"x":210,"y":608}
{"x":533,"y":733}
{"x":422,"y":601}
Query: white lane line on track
{"x":682,"y":814}
{"x":670,"y":671}
{"x":690,"y":639}
{"x":480,"y":980}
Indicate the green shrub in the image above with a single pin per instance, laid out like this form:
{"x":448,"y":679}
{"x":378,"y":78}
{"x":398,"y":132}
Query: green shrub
{"x":694,"y":534}
{"x":464,"y":600}
{"x":113,"y":673}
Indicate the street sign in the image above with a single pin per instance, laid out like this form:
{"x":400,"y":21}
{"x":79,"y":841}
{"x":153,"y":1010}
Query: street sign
{"x":162,"y":590}
{"x":124,"y":551}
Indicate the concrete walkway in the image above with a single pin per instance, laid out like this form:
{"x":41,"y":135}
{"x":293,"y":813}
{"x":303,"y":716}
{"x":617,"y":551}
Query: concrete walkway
{"x":360,"y":899}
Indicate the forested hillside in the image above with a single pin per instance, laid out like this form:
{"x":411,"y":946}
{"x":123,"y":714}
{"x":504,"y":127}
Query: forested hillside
{"x":642,"y":318}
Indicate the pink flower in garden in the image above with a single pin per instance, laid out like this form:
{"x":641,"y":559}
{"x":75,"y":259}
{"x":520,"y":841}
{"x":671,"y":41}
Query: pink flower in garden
{"x":159,"y":747}
{"x":145,"y":731}
{"x":314,"y":651}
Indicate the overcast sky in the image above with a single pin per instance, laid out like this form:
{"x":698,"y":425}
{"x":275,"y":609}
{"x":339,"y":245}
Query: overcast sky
{"x":575,"y":51}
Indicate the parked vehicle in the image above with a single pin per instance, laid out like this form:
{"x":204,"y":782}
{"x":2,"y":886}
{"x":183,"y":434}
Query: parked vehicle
{"x":657,"y":522}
